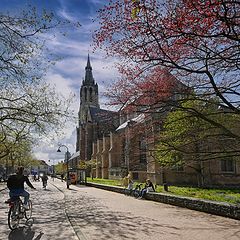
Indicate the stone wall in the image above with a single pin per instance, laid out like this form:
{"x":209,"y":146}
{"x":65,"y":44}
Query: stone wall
{"x":217,"y":208}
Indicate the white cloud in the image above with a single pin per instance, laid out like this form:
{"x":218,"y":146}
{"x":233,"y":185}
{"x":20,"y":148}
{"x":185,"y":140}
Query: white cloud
{"x":66,"y":15}
{"x":67,"y":74}
{"x":67,"y":77}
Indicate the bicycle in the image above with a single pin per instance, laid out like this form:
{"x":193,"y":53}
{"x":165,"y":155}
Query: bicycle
{"x":17,"y":212}
{"x":136,"y":192}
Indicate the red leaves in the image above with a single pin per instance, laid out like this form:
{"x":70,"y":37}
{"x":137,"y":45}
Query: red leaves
{"x":140,"y":90}
{"x":193,"y":37}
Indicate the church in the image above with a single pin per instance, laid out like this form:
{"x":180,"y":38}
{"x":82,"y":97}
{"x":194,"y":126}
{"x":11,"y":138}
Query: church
{"x":93,"y":122}
{"x":111,"y":144}
{"x":102,"y":137}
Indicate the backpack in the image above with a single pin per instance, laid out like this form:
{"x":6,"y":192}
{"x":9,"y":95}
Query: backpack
{"x":12,"y":181}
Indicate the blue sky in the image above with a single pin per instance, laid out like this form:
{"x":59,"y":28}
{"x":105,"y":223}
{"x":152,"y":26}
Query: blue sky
{"x":68,"y":73}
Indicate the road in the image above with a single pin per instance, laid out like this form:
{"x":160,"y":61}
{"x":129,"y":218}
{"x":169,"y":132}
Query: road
{"x":88,"y":213}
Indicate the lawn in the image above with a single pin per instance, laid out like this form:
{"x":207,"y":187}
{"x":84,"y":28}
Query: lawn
{"x":220,"y":195}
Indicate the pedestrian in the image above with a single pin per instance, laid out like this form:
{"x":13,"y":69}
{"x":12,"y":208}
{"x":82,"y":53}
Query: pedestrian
{"x":149,"y":187}
{"x":130,"y":181}
{"x":44,"y":180}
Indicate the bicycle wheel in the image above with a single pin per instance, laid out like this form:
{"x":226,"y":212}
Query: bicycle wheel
{"x":136,"y":193}
{"x":127,"y":192}
{"x":13,"y":216}
{"x":28,"y":212}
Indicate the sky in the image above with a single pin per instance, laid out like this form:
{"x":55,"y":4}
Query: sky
{"x":68,"y":73}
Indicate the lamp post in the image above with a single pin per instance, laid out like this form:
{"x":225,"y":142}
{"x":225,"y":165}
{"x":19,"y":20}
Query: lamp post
{"x":67,"y":158}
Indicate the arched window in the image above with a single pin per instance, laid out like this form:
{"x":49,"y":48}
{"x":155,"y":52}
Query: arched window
{"x":90,"y":97}
{"x":143,"y":150}
{"x":85,"y":92}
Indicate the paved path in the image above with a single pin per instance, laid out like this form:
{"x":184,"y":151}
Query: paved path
{"x":3,"y":185}
{"x":96,"y":214}
{"x":106,"y":215}
{"x":49,"y":218}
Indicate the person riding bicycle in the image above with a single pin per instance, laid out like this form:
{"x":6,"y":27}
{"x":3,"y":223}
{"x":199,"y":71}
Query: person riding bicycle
{"x":15,"y":184}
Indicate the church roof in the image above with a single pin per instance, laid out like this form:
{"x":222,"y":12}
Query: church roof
{"x":101,"y":115}
{"x":139,"y":119}
{"x":76,"y":154}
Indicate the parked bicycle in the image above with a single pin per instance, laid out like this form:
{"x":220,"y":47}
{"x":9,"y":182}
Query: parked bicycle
{"x":137,"y":190}
{"x":17,"y":212}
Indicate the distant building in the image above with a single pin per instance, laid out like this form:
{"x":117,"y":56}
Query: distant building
{"x":42,"y":167}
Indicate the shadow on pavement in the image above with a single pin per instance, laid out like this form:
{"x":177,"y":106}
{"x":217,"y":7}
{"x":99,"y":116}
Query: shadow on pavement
{"x":104,"y":223}
{"x":24,"y":233}
{"x":73,"y":190}
{"x":107,"y":223}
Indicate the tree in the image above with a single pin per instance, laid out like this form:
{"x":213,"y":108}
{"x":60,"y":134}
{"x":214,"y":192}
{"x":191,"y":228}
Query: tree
{"x":29,"y":107}
{"x":19,"y":154}
{"x":187,"y":140}
{"x":197,"y":41}
{"x":60,"y":168}
{"x":30,"y":111}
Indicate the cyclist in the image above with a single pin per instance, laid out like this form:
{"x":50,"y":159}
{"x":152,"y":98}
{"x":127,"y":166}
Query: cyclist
{"x":15,"y":184}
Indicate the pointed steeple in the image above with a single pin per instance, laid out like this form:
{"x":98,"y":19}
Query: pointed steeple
{"x":88,"y":63}
{"x":89,"y":80}
{"x":88,"y":93}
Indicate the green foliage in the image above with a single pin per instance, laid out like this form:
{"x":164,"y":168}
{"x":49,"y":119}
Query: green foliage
{"x":189,"y":134}
{"x":220,"y":195}
{"x":29,"y":107}
{"x":182,"y":131}
{"x":59,"y":168}
{"x":18,"y":154}
{"x":105,"y":181}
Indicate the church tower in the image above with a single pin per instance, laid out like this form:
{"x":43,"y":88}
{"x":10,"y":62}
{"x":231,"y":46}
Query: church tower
{"x":89,"y":99}
{"x":88,"y":94}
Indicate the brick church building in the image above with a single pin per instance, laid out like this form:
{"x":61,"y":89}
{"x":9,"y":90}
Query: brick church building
{"x":115,"y":143}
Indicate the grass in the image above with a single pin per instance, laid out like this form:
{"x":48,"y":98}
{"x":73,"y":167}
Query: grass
{"x":221,"y":195}
{"x":105,"y":181}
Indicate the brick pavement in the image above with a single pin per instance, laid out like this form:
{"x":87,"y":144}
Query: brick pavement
{"x":101,"y":215}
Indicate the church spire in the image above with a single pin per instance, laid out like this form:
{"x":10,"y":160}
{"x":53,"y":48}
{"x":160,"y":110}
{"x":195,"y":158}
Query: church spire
{"x":88,"y":62}
{"x":89,"y":80}
{"x":88,"y":91}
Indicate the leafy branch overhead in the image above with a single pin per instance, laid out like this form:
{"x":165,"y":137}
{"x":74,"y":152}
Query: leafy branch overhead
{"x":198,"y":42}
{"x":29,"y":107}
{"x":182,"y":57}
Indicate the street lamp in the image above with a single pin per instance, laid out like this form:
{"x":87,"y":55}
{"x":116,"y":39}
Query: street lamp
{"x":67,"y":158}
